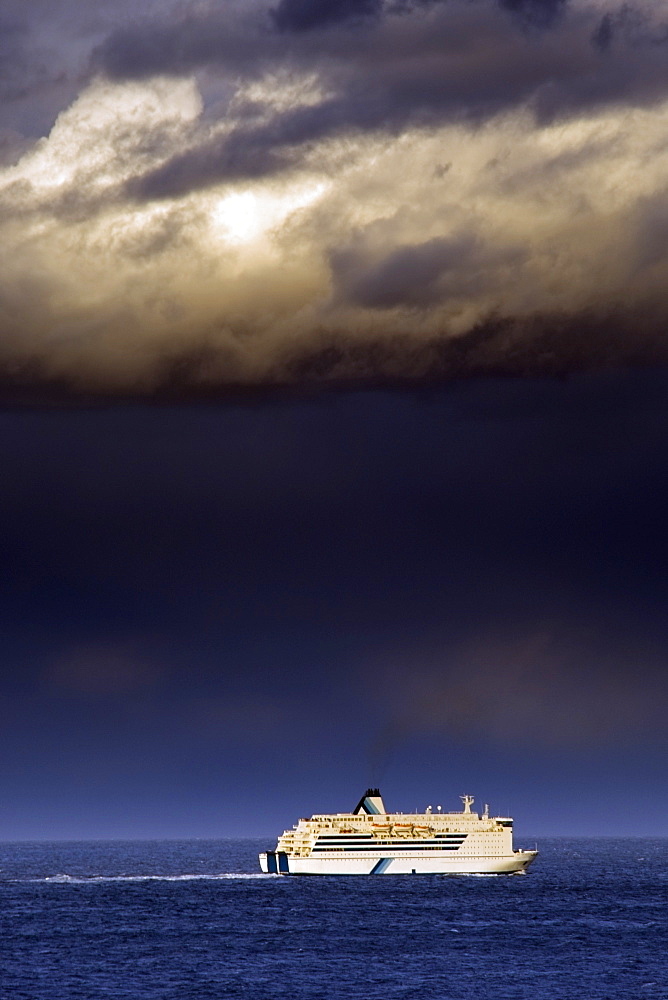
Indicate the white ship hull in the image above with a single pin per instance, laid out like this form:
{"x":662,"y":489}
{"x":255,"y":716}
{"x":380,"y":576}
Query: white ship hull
{"x":395,"y":864}
{"x":371,"y":841}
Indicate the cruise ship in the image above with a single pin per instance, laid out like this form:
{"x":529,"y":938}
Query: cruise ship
{"x":371,"y":841}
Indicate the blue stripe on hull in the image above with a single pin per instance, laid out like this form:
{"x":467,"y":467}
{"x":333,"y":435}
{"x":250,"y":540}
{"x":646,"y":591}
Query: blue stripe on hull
{"x":381,"y":866}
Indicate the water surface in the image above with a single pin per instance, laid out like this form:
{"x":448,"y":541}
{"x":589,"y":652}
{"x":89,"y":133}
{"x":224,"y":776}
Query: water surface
{"x":175,"y":920}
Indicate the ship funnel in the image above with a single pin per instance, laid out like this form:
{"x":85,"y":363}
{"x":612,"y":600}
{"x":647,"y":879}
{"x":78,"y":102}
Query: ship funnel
{"x":371,"y":803}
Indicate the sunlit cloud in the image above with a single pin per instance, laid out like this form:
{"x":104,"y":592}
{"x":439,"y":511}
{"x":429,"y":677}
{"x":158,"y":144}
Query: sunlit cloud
{"x":244,"y":216}
{"x":299,"y":226}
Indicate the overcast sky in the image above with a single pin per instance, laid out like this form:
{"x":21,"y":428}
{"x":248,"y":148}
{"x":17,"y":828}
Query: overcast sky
{"x":333,"y":366}
{"x":416,"y":188}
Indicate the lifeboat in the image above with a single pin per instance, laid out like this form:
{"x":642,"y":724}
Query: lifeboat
{"x":381,"y":829}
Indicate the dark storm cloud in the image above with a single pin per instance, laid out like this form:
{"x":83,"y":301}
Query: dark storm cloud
{"x":245,"y":154}
{"x":541,"y":345}
{"x":26,"y":68}
{"x":407,"y":276}
{"x":651,"y":230}
{"x":537,"y":13}
{"x":476,"y":59}
{"x":182,"y":44}
{"x":305,"y":15}
{"x":417,"y":275}
{"x":628,"y":25}
{"x":13,"y":59}
{"x":534,"y":13}
{"x":424,"y":68}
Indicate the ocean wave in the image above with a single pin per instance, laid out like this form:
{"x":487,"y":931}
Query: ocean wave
{"x":480,"y":874}
{"x":94,"y":879}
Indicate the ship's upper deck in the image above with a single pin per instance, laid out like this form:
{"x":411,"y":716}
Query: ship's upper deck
{"x":370,"y":819}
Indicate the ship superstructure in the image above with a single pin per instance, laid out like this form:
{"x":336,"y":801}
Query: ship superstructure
{"x":371,"y":841}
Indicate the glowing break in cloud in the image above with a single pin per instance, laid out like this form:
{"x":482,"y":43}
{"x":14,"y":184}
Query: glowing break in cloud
{"x":387,"y":193}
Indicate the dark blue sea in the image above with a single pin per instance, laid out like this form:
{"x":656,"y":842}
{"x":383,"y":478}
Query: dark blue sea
{"x":170,"y":920}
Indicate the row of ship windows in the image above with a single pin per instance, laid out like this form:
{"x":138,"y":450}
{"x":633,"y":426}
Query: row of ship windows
{"x":389,"y":847}
{"x":379,"y":844}
{"x":376,"y":836}
{"x":360,"y":830}
{"x":385,"y":833}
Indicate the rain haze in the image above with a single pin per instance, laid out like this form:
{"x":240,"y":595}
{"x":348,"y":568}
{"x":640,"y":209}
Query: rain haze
{"x":334,"y":385}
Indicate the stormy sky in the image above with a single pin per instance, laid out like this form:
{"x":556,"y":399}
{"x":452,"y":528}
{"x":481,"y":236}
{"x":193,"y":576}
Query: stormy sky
{"x":334,"y":374}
